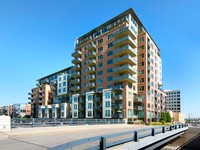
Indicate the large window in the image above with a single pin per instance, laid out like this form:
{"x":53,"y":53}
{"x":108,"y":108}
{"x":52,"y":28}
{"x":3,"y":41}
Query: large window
{"x":107,"y":95}
{"x":109,"y":70}
{"x":75,"y":99}
{"x":64,"y":83}
{"x":110,"y":78}
{"x":107,"y":103}
{"x":110,"y":36}
{"x":89,"y":105}
{"x":100,"y":57}
{"x":99,"y":73}
{"x":107,"y":113}
{"x":110,"y":53}
{"x":99,"y":81}
{"x":100,"y":65}
{"x":75,"y":107}
{"x":109,"y":61}
{"x":89,"y":113}
{"x":100,"y":49}
{"x":89,"y":97}
{"x":100,"y":41}
{"x":110,"y":45}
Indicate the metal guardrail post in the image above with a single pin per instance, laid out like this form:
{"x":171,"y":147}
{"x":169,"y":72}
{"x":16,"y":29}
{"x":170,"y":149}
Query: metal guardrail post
{"x":163,"y":129}
{"x":153,"y":132}
{"x":175,"y":126}
{"x":33,"y":122}
{"x":136,"y":136}
{"x":103,"y":143}
{"x":170,"y":128}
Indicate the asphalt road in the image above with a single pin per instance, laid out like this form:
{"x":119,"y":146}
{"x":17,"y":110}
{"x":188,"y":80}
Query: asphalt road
{"x":44,"y":137}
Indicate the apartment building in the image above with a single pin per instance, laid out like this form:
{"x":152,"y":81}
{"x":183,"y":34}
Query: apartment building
{"x":51,"y":97}
{"x":173,"y":101}
{"x":117,"y":72}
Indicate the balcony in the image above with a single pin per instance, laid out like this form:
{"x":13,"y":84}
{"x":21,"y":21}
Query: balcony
{"x":125,"y":77}
{"x":138,"y":99}
{"x":127,"y":59}
{"x":30,"y":93}
{"x":118,"y":106}
{"x":76,"y":88}
{"x":91,"y":70}
{"x":127,"y":49}
{"x":91,"y":77}
{"x":77,"y":53}
{"x":92,"y":54}
{"x":139,"y":108}
{"x":76,"y":61}
{"x":76,"y":81}
{"x":91,"y":47}
{"x":125,"y":31}
{"x":124,"y":41}
{"x":77,"y":67}
{"x":118,"y":97}
{"x":118,"y":87}
{"x":92,"y":62}
{"x":125,"y":68}
{"x":149,"y":92}
{"x":76,"y":74}
{"x":91,"y":85}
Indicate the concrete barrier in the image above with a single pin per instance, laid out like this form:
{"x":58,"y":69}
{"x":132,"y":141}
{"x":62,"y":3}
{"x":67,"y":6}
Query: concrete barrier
{"x":5,"y":123}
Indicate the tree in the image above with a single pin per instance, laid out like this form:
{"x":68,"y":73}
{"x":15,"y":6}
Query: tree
{"x":163,"y":117}
{"x":168,"y":117}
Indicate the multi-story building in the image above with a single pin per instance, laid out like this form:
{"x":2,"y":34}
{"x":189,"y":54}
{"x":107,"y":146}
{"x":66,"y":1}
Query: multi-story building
{"x":117,"y":72}
{"x":173,"y":101}
{"x":51,"y":97}
{"x":21,"y":110}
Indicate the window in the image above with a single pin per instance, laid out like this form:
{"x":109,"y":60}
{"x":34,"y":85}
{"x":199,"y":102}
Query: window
{"x":141,"y":47}
{"x":129,"y":95}
{"x":110,"y":78}
{"x":75,"y":99}
{"x":141,"y":39}
{"x":89,"y":113}
{"x":140,"y":72}
{"x":75,"y":114}
{"x":110,"y":36}
{"x":65,"y":77}
{"x":89,"y":97}
{"x":110,"y":45}
{"x":64,"y":89}
{"x":85,"y":84}
{"x":107,"y":95}
{"x":100,"y":57}
{"x":100,"y":41}
{"x":109,"y":61}
{"x":99,"y":81}
{"x":60,"y":78}
{"x":109,"y":70}
{"x":64,"y":83}
{"x":110,"y":53}
{"x":75,"y":106}
{"x":100,"y":65}
{"x":129,"y":104}
{"x":148,"y":105}
{"x":141,"y":80}
{"x":60,"y":84}
{"x":99,"y":73}
{"x":107,"y":113}
{"x":100,"y":49}
{"x":141,"y":56}
{"x":99,"y":89}
{"x":140,"y":64}
{"x":89,"y":105}
{"x":107,"y":103}
{"x":59,"y":91}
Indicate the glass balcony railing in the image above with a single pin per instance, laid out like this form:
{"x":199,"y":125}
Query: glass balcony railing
{"x":77,"y":67}
{"x":92,"y":62}
{"x":76,"y":74}
{"x":125,"y":68}
{"x":125,"y":77}
{"x":125,"y":59}
{"x":91,"y":77}
{"x":92,"y":46}
{"x":92,"y":54}
{"x":91,"y":69}
{"x":124,"y":41}
{"x":126,"y":49}
{"x":126,"y":31}
{"x":76,"y":61}
{"x":76,"y":53}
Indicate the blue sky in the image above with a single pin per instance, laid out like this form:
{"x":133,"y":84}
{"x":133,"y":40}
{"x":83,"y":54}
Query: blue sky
{"x":37,"y":38}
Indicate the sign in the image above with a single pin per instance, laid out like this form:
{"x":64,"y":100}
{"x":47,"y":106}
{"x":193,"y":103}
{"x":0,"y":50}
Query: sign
{"x":5,"y":124}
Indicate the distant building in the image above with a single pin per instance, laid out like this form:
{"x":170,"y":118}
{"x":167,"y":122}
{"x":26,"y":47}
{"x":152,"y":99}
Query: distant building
{"x":21,"y":110}
{"x":51,"y":95}
{"x":173,"y":101}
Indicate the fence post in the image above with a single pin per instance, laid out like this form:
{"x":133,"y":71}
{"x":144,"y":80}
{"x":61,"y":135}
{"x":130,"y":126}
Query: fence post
{"x":153,"y":132}
{"x":103,"y":143}
{"x":163,"y":129}
{"x":175,"y":126}
{"x":136,"y":136}
{"x":170,"y":128}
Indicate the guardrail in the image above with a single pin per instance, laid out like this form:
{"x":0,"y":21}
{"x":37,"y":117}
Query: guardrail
{"x":37,"y":122}
{"x":106,"y":141}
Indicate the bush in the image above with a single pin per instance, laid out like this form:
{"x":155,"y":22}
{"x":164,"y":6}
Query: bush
{"x":156,"y":123}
